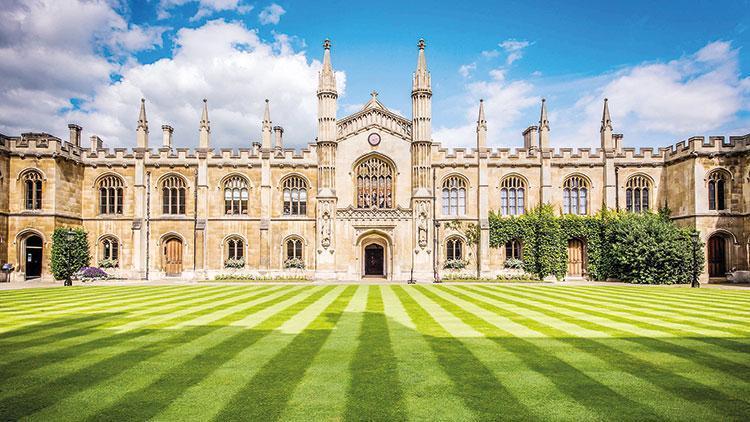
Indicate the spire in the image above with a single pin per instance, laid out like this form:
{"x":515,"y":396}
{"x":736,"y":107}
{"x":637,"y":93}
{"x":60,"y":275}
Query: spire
{"x":142,"y":122}
{"x":421,"y":75}
{"x":267,"y":128}
{"x":543,"y":122}
{"x":543,"y":127}
{"x":606,"y":120}
{"x":205,"y":126}
{"x":327,"y":78}
{"x":481,"y":128}
{"x":141,"y":132}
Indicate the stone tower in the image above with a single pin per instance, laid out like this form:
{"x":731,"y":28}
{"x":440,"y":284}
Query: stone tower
{"x":326,"y":149}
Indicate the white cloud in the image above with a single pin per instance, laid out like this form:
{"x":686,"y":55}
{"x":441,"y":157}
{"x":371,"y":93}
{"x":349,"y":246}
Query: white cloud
{"x":206,"y":8}
{"x":232,"y":67}
{"x":466,"y":69}
{"x":514,"y":49}
{"x":271,"y":14}
{"x":490,"y":54}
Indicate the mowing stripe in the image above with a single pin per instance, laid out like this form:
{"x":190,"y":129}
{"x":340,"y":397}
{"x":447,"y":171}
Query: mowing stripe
{"x":153,"y":383}
{"x":474,"y":382}
{"x":81,"y":356}
{"x":427,"y":390}
{"x":265,"y":396}
{"x":375,"y":390}
{"x":578,"y":374}
{"x":224,"y":381}
{"x":321,"y":394}
{"x":645,"y":363}
{"x":607,"y":321}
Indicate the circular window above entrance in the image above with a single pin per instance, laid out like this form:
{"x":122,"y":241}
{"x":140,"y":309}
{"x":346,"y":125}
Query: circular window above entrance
{"x":374,"y":139}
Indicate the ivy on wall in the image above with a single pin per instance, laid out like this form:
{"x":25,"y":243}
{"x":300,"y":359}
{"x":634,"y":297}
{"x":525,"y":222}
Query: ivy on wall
{"x":638,"y":248}
{"x":70,"y":252}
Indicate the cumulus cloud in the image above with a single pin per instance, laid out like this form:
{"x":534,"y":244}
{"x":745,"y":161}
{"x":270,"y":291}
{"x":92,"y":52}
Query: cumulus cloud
{"x":271,"y":14}
{"x":205,"y":7}
{"x":466,"y":69}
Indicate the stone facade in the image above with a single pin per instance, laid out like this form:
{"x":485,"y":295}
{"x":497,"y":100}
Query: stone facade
{"x":371,"y":197}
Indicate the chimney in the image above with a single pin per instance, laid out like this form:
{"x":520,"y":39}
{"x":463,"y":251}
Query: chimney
{"x":529,"y":137}
{"x":167,"y":140}
{"x":278,"y":132}
{"x":96,"y":143}
{"x":75,"y":134}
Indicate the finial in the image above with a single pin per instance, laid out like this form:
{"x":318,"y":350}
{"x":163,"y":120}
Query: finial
{"x":481,"y":100}
{"x":421,"y":44}
{"x":205,"y":100}
{"x":266,"y":100}
{"x":544,"y":99}
{"x":374,"y":94}
{"x":143,"y":100}
{"x":327,"y":44}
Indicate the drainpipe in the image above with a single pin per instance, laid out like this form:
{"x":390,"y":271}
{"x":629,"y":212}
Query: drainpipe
{"x":195,"y":220}
{"x":437,"y":230}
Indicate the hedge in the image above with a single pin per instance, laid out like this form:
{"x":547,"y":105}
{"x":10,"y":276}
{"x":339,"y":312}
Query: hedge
{"x":638,"y":248}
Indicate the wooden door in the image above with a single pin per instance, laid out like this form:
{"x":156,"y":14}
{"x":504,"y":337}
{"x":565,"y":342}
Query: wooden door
{"x":717,"y":257}
{"x":575,"y":258}
{"x":374,"y":260}
{"x":173,"y":257}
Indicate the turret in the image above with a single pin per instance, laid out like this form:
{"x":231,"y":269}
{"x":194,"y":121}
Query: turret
{"x":481,"y":128}
{"x":421,"y":109}
{"x":543,"y":127}
{"x":205,"y":126}
{"x":327,"y":98}
{"x":267,"y":128}
{"x":141,"y":132}
{"x":606,"y":129}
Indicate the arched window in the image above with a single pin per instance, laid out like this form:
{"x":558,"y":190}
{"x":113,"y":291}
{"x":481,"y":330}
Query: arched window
{"x":173,"y":195}
{"x":637,"y":193}
{"x":513,"y":249}
{"x":512,"y":196}
{"x":110,"y":252}
{"x":454,"y":196}
{"x":717,"y":184}
{"x":294,"y":248}
{"x":235,"y":248}
{"x":295,"y":196}
{"x":575,"y":195}
{"x":454,"y":249}
{"x":33,"y":190}
{"x":110,"y":195}
{"x":374,"y":184}
{"x":235,"y":195}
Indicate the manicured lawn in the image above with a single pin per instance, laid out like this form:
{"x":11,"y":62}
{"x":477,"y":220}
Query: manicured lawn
{"x":370,"y":352}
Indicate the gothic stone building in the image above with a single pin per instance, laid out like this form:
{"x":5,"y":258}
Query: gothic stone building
{"x":370,"y":198}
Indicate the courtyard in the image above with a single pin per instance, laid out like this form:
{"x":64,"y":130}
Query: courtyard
{"x":374,"y":352}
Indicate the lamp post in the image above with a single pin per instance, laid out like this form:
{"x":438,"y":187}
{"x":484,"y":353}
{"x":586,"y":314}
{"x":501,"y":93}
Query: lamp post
{"x":694,"y":282}
{"x":70,"y":236}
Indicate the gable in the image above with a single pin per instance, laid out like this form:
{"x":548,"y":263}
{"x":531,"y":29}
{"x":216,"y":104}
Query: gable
{"x":373,"y":115}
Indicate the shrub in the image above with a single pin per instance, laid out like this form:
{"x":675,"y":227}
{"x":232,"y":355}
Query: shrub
{"x":108,"y":263}
{"x":256,"y":277}
{"x":69,"y":255}
{"x":455,"y":264}
{"x":92,"y":273}
{"x":235,"y":263}
{"x":294,"y":263}
{"x":514,"y":264}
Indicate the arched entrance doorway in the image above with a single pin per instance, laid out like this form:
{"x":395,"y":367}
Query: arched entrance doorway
{"x":172,"y":256}
{"x":374,"y":261}
{"x":717,"y":256}
{"x":576,"y":258}
{"x":32,"y":256}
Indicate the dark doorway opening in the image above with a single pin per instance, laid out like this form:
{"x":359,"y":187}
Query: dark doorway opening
{"x":33,"y":258}
{"x":374,"y":260}
{"x":717,"y":256}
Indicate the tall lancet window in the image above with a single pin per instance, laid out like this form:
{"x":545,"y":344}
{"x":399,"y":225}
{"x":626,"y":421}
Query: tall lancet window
{"x":235,"y":195}
{"x":575,"y":195}
{"x":512,"y":196}
{"x":33,"y":183}
{"x":454,"y":196}
{"x":717,"y":184}
{"x":637,"y":194}
{"x":173,"y":195}
{"x":374,"y":184}
{"x":295,"y":196}
{"x":110,"y":195}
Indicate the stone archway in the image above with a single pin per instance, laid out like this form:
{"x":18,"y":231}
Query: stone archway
{"x":30,"y":255}
{"x":375,"y":255}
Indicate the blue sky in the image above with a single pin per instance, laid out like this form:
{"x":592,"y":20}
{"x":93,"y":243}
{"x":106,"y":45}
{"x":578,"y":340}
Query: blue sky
{"x":670,"y":69}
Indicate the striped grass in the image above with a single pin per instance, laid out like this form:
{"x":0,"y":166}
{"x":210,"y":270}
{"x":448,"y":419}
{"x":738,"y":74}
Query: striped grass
{"x":374,"y":352}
